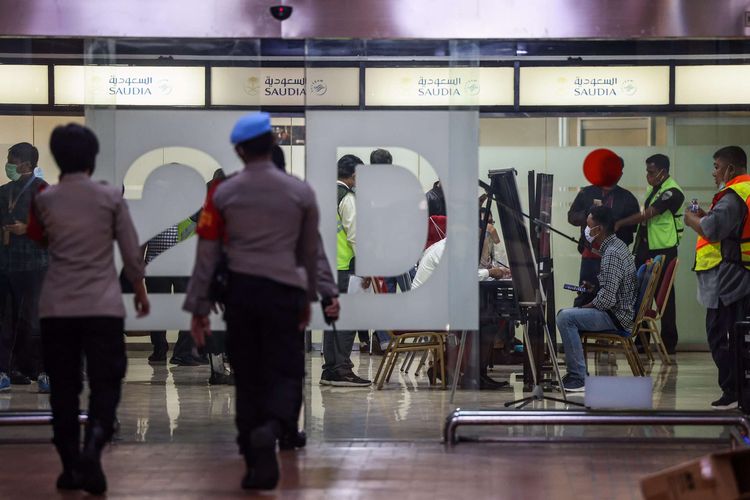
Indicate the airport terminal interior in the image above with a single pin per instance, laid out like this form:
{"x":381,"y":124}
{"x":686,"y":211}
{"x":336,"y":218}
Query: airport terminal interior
{"x":519,"y":104}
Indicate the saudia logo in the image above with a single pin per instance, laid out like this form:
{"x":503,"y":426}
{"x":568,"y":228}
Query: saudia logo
{"x":441,"y":87}
{"x":284,"y":86}
{"x":130,"y":86}
{"x":252,"y":85}
{"x":318,"y":87}
{"x":602,"y":87}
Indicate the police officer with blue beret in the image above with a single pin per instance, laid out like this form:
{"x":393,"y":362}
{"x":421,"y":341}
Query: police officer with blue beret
{"x":265,"y":224}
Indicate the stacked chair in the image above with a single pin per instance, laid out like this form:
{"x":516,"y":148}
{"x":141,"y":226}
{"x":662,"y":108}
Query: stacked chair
{"x":623,"y":341}
{"x":649,"y":329}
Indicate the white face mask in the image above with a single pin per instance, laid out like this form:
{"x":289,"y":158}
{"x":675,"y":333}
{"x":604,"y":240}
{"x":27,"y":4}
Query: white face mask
{"x":587,"y":234}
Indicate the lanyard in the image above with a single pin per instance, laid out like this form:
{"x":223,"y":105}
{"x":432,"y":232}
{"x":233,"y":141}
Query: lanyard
{"x":12,"y":203}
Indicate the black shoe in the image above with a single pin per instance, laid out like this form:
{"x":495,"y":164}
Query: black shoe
{"x":262,"y":466}
{"x":157,"y":358}
{"x":221,"y":379}
{"x":69,"y":480}
{"x":488,"y":383}
{"x":180,"y":361}
{"x":325,"y":377}
{"x":725,"y":402}
{"x":293,"y":440}
{"x":93,"y":479}
{"x":18,"y":378}
{"x":347,"y":380}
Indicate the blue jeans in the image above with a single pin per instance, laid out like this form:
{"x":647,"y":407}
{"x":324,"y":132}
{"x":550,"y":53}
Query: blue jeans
{"x":570,"y":322}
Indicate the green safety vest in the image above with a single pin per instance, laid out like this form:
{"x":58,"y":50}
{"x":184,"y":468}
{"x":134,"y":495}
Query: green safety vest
{"x":186,"y":229}
{"x":664,"y":230}
{"x":344,"y":249}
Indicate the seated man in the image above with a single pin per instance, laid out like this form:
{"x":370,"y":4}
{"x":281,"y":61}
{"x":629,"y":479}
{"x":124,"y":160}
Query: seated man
{"x":612,"y":309}
{"x":488,"y":325}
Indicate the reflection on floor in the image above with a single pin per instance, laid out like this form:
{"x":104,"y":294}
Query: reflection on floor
{"x":191,"y":427}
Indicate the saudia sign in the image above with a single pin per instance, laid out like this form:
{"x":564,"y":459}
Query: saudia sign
{"x":285,"y":86}
{"x":595,"y":85}
{"x":130,"y":85}
{"x":443,"y":86}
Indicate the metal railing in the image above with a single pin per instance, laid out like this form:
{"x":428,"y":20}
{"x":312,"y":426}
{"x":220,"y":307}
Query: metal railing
{"x":459,"y":417}
{"x":32,"y":417}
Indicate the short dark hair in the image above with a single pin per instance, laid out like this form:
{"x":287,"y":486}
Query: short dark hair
{"x":74,"y":148}
{"x":659,"y":160}
{"x":24,"y":151}
{"x":604,"y":217}
{"x":277,"y":157}
{"x":732,"y":154}
{"x":257,"y":146}
{"x":380,"y":156}
{"x":346,"y":166}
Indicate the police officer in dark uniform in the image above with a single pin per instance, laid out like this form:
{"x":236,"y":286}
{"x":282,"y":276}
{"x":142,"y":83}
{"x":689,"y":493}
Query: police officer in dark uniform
{"x":660,"y":228}
{"x":266,"y":224}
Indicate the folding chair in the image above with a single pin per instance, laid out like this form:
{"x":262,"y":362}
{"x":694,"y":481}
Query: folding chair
{"x":652,"y":321}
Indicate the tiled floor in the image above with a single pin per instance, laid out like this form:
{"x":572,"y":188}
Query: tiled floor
{"x":177,"y":441}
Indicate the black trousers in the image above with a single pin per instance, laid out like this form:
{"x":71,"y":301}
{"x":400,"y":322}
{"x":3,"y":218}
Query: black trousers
{"x":266,"y":351}
{"x":170,"y":284}
{"x":719,"y":328}
{"x":20,"y":345}
{"x":669,"y":320}
{"x":65,"y":340}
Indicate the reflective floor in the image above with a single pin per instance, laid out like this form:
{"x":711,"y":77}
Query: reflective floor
{"x":177,"y":439}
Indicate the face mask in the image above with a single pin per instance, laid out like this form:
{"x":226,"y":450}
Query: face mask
{"x":587,"y":234}
{"x":11,"y":170}
{"x":722,"y":185}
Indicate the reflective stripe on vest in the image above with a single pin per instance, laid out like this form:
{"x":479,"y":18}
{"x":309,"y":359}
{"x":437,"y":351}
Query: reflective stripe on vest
{"x":707,"y":253}
{"x":665,"y":229}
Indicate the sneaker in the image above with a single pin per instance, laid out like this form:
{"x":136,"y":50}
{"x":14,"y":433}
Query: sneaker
{"x":574,"y":385}
{"x":725,"y":402}
{"x":180,"y":361}
{"x":18,"y":378}
{"x":4,"y":382}
{"x":348,"y":380}
{"x":325,"y":378}
{"x":43,"y":383}
{"x":157,"y":358}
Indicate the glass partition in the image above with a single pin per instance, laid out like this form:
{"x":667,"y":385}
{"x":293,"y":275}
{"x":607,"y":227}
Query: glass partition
{"x":443,"y":112}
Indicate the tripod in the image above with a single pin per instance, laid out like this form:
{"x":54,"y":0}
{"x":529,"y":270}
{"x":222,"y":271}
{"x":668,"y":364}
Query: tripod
{"x":537,"y":393}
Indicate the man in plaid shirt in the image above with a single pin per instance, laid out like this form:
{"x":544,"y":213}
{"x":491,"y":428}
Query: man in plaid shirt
{"x":612,"y":309}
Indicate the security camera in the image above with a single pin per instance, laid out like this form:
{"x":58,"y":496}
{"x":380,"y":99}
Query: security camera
{"x":281,"y":12}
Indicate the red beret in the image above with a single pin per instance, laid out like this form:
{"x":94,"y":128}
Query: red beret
{"x":602,"y":167}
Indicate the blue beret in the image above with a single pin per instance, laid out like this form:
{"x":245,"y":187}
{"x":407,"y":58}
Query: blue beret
{"x":250,"y":126}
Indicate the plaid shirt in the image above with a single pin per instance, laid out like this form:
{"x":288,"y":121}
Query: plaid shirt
{"x":617,"y":282}
{"x":20,"y":254}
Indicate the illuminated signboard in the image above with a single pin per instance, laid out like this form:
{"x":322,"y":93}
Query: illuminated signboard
{"x":725,"y":84}
{"x":594,"y":86}
{"x":439,"y":86}
{"x":285,"y":86}
{"x":130,"y":85}
{"x":23,"y":84}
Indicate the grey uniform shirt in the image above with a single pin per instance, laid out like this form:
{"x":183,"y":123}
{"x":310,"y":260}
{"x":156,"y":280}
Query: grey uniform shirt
{"x":327,"y":287}
{"x":267,"y":222}
{"x":728,"y":282}
{"x":80,"y":218}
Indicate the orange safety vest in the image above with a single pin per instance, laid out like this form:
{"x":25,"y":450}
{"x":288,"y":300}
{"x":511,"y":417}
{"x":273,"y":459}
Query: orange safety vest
{"x":708,"y":253}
